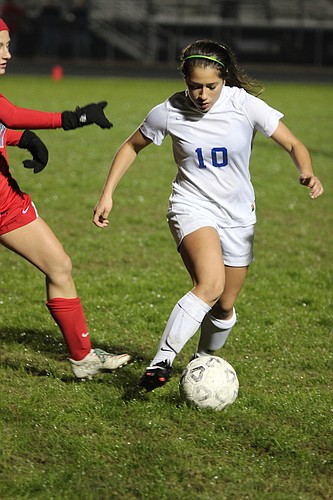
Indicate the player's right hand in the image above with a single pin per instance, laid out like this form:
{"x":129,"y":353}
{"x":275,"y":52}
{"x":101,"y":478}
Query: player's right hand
{"x":101,"y":212}
{"x":313,"y":184}
{"x":87,"y":115}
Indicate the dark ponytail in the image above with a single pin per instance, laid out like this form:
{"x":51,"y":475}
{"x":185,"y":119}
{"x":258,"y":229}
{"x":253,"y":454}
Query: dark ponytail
{"x":223,"y":59}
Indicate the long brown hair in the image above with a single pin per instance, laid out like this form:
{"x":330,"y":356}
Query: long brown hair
{"x":223,"y":59}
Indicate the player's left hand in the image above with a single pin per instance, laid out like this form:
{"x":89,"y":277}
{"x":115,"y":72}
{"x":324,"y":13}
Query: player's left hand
{"x":30,"y":141}
{"x":313,"y":184}
{"x":89,"y":114}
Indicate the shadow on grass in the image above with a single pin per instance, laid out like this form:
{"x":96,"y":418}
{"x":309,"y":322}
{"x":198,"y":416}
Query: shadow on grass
{"x":45,"y":343}
{"x":38,"y":340}
{"x":170,"y":392}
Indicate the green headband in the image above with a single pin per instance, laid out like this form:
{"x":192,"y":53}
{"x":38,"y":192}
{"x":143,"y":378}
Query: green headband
{"x":199,"y":56}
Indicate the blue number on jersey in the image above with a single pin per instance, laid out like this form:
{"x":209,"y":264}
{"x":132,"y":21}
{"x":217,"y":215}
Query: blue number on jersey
{"x":219,"y":157}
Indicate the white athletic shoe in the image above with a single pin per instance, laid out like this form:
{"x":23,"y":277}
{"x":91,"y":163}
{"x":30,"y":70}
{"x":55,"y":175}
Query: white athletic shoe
{"x":97,"y":361}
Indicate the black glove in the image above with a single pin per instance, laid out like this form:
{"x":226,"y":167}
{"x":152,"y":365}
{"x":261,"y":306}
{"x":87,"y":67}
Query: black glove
{"x":30,"y":141}
{"x":92,"y":113}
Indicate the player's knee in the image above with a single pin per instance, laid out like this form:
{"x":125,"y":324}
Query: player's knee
{"x":60,"y":270}
{"x":67,"y":265}
{"x":211,"y":291}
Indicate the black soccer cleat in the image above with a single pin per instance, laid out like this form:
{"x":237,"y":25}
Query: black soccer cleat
{"x":156,"y":376}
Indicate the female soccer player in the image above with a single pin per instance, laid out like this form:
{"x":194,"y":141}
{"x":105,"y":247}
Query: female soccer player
{"x":211,"y":211}
{"x":23,"y":232}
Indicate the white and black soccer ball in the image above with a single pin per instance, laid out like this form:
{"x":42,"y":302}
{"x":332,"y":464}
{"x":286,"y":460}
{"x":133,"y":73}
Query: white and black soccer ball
{"x":209,"y":382}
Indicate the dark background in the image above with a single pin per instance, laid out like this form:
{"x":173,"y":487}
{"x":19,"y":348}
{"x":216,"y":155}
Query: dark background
{"x":144,"y":37}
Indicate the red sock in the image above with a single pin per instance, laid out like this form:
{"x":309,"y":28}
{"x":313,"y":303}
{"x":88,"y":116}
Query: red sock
{"x":69,"y":316}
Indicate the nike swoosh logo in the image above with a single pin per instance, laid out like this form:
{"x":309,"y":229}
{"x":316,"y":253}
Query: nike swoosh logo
{"x":25,"y":210}
{"x":85,"y":334}
{"x":167,"y":350}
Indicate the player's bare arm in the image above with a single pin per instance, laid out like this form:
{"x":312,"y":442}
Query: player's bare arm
{"x":122,"y":161}
{"x":301,"y":158}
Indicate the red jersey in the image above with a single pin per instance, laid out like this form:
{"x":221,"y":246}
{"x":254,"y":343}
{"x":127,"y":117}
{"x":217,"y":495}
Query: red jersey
{"x":14,"y":117}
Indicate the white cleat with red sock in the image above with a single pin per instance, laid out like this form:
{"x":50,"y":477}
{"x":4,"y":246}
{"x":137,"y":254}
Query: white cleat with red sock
{"x":97,"y":361}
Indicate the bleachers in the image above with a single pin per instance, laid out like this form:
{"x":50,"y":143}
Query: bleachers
{"x":187,"y":12}
{"x":302,"y":11}
{"x":154,"y":30}
{"x":212,"y":11}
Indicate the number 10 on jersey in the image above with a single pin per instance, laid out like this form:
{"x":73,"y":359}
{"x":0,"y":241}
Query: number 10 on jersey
{"x":219,"y":157}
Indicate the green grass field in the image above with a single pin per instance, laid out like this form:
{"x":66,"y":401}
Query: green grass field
{"x":60,"y":439}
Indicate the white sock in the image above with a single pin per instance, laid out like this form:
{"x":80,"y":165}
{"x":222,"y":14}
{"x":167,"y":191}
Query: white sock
{"x":183,"y":323}
{"x":214,"y":333}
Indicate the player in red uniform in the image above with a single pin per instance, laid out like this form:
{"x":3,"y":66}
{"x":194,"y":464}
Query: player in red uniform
{"x":25,"y":233}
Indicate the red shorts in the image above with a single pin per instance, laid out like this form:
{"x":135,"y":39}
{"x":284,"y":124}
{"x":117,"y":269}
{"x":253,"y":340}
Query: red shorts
{"x":21,"y":213}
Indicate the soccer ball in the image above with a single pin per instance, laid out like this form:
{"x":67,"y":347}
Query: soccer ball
{"x":209,"y":382}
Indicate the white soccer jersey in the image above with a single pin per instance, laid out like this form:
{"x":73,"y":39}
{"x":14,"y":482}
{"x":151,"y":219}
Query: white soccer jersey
{"x":212,"y":150}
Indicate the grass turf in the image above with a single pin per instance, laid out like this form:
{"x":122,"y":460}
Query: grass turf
{"x":102,"y":439}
